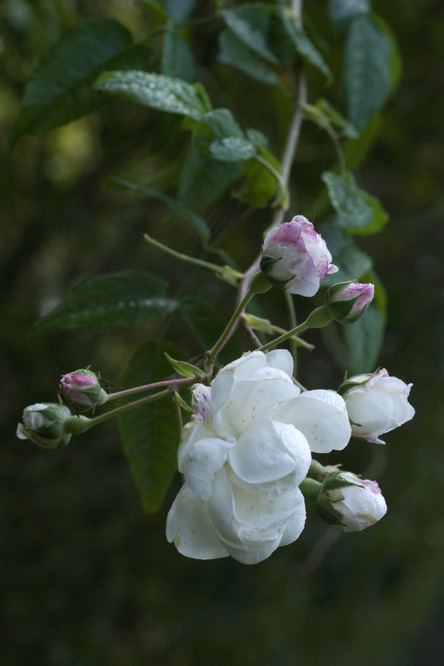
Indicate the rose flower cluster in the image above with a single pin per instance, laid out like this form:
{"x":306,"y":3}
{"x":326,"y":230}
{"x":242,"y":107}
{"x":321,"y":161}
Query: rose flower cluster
{"x":246,"y":455}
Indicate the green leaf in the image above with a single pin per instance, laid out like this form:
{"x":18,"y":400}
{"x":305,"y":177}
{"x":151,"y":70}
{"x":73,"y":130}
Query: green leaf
{"x":183,"y":368}
{"x":163,"y":93}
{"x":355,"y":150}
{"x":203,"y":179}
{"x":371,"y":68}
{"x":157,"y":8}
{"x":179,"y":10}
{"x":251,"y":24}
{"x":232,"y":149}
{"x":116,"y":299}
{"x":178,"y":209}
{"x":302,"y":43}
{"x":343,"y":11}
{"x":182,"y":404}
{"x":59,"y":90}
{"x":177,"y":57}
{"x":150,"y":434}
{"x":357,"y":211}
{"x":232,"y":51}
{"x":218,"y":135}
{"x":257,"y":138}
{"x":214,"y":125}
{"x":207,"y":324}
{"x":364,"y":339}
{"x":326,"y":116}
{"x":258,"y":186}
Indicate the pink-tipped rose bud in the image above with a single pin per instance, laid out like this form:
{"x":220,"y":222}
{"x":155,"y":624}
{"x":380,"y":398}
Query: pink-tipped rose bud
{"x":347,"y":301}
{"x":349,"y":502}
{"x":43,"y":425}
{"x":296,"y":258}
{"x":82,"y":391}
{"x":376,"y":404}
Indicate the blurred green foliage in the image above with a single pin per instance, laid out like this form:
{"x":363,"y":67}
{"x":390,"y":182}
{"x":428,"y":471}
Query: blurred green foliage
{"x":86,"y":577}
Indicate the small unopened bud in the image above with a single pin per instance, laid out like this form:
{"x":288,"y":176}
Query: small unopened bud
{"x":349,"y":502}
{"x":43,"y":425}
{"x":347,"y":301}
{"x":296,"y":258}
{"x":81,"y":390}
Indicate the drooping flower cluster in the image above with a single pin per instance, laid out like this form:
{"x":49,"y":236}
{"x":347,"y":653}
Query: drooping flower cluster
{"x":244,"y":454}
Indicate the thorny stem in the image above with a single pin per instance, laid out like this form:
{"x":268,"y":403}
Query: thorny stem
{"x":318,"y":318}
{"x":293,"y":323}
{"x":287,"y":161}
{"x":283,"y":189}
{"x":284,"y":337}
{"x":77,"y":424}
{"x":155,"y":385}
{"x":259,"y":284}
{"x":178,"y":412}
{"x":226,"y":272}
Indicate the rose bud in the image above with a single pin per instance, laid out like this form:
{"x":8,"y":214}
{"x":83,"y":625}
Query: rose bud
{"x":347,"y":301}
{"x":296,"y":258}
{"x":43,"y":425}
{"x":82,"y":391}
{"x":349,"y":502}
{"x":376,"y":404}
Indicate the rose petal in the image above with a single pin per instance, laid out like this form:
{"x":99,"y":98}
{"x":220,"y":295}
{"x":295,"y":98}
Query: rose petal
{"x":242,"y":368}
{"x":203,"y":458}
{"x":280,"y":359}
{"x":362,"y":505}
{"x":250,"y":526}
{"x":254,"y":398}
{"x":190,"y":528}
{"x":374,"y":416}
{"x":296,"y":522}
{"x":268,"y":451}
{"x":321,"y":416}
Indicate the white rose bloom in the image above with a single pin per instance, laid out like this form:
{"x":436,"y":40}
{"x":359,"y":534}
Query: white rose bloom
{"x":361,"y":506}
{"x":244,"y":453}
{"x":377,"y":404}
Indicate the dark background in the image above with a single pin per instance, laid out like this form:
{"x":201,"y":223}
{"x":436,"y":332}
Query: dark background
{"x":86,"y":577}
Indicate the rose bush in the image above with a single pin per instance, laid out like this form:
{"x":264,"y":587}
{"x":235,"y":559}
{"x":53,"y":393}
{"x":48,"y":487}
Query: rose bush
{"x":295,"y":257}
{"x":376,"y":404}
{"x":244,"y":453}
